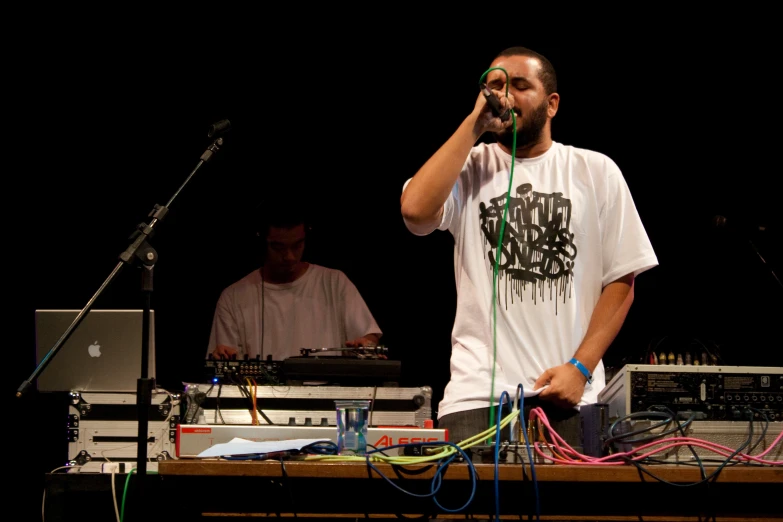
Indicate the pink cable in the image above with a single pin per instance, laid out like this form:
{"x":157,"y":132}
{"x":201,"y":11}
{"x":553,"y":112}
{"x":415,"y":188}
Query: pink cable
{"x":670,"y":442}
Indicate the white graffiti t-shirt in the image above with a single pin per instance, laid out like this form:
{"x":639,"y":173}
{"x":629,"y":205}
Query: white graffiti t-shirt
{"x":571,"y":227}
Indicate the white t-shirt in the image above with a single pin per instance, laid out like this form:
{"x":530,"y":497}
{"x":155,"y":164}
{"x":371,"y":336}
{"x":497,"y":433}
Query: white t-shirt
{"x":571,"y":228}
{"x":321,"y":309}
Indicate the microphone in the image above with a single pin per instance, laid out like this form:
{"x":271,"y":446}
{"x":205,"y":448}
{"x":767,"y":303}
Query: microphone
{"x":218,"y":128}
{"x":494,"y":103}
{"x":723,"y":222}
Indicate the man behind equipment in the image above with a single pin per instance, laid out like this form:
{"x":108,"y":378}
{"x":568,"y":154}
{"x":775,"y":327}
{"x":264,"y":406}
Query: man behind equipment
{"x":541,"y":307}
{"x":288,"y":304}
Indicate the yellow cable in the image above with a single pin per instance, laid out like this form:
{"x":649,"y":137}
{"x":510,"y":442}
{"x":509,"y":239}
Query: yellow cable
{"x":437,"y":454}
{"x":254,"y":411}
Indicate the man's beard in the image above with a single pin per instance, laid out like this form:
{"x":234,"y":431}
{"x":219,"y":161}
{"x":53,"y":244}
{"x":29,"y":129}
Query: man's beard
{"x":530,"y":132}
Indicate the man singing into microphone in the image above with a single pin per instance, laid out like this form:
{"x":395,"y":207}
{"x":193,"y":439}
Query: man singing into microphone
{"x":540,"y":307}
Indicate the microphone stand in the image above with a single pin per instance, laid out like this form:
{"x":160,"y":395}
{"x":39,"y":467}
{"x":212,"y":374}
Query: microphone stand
{"x":721,"y":222}
{"x":138,"y":249}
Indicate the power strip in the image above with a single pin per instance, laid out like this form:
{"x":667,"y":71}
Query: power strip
{"x":510,"y":453}
{"x":115,"y":467}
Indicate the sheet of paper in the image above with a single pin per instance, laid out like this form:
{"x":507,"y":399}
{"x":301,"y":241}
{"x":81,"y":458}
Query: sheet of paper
{"x":239,"y":446}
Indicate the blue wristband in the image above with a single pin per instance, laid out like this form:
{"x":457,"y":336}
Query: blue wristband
{"x":581,"y":367}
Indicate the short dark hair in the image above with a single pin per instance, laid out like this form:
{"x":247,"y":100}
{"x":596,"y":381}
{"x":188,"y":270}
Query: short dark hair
{"x":547,"y":75}
{"x":279,"y":214}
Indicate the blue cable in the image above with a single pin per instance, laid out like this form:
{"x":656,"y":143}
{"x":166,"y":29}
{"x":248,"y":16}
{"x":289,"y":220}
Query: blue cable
{"x":497,"y":452}
{"x":437,"y":479}
{"x":321,"y":448}
{"x":521,"y":392}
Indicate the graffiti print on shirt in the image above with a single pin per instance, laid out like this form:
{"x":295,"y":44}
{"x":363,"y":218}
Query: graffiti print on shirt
{"x":538,"y":253}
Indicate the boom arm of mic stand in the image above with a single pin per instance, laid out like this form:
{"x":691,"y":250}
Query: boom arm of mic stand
{"x":138,"y":239}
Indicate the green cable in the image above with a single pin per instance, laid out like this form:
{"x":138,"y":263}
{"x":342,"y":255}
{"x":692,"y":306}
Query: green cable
{"x":497,"y":256}
{"x":125,"y":491}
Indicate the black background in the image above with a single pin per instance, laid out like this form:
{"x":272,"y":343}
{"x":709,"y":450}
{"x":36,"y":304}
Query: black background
{"x":105,"y":124}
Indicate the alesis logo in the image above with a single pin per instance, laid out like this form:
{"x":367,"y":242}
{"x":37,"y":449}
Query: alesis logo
{"x":389,"y":441}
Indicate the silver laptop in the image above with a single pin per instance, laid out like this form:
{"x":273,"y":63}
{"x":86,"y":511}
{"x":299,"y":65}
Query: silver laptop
{"x":102,"y":354}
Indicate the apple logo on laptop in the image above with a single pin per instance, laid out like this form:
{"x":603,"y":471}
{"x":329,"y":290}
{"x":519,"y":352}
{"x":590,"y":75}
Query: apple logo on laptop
{"x":94,"y":349}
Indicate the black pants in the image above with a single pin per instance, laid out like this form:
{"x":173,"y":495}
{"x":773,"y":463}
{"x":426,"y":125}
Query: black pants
{"x":465,"y":424}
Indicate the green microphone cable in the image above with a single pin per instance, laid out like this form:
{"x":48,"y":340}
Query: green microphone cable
{"x":493,"y":101}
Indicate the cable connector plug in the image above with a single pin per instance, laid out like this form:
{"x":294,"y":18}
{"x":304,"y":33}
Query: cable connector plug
{"x":113,"y":467}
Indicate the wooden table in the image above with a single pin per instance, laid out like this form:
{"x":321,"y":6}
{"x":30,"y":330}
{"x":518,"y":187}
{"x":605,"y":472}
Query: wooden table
{"x":572,"y":492}
{"x":215,"y":490}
